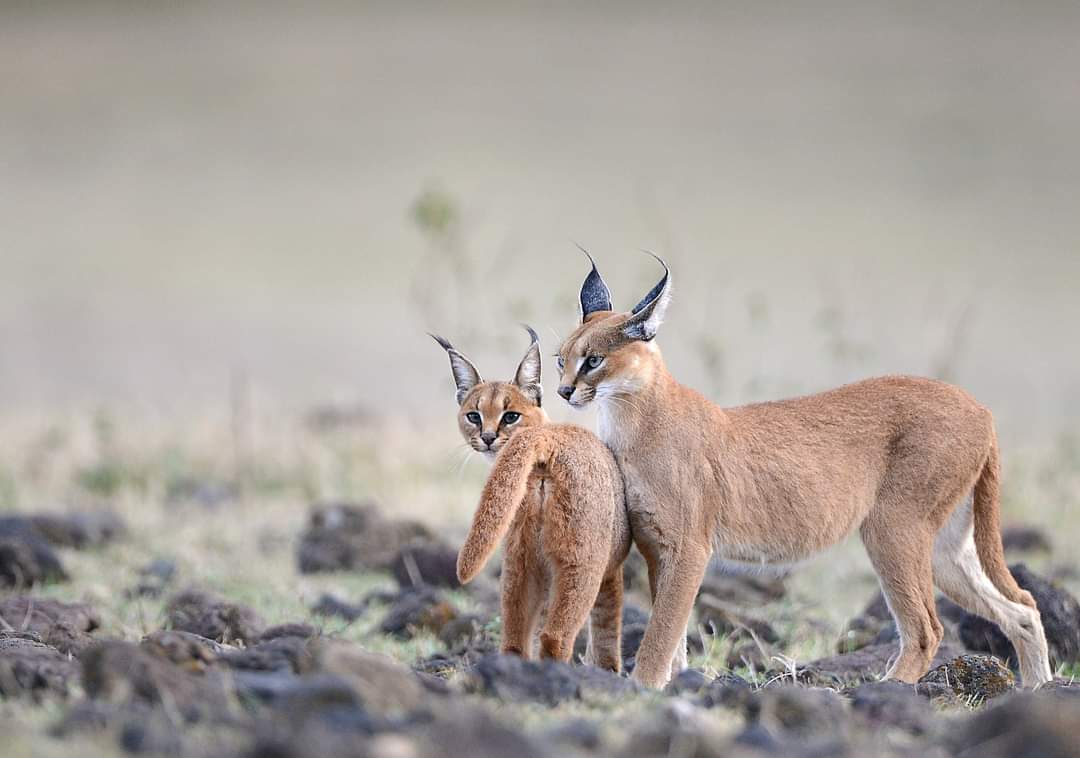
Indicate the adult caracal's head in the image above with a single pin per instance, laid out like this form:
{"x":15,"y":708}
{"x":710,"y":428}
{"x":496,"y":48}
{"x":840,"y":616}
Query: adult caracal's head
{"x":611,"y":354}
{"x":490,"y":412}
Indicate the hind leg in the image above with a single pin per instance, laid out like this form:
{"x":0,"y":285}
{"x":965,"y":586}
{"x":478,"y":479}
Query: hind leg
{"x":901,"y":554}
{"x":605,"y":624}
{"x":573,"y":592}
{"x":959,"y":574}
{"x":522,"y":601}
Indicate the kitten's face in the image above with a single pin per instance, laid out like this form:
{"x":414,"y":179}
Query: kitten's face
{"x":492,"y":412}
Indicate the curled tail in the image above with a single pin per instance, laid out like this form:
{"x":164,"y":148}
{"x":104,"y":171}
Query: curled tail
{"x":986,"y":510}
{"x":503,"y":493}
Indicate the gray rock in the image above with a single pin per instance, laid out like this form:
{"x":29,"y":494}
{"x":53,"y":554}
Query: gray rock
{"x":32,"y":669}
{"x":510,"y":677}
{"x":209,"y":616}
{"x":977,"y":676}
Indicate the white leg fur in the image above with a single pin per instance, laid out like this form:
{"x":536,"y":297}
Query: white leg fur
{"x":959,"y":574}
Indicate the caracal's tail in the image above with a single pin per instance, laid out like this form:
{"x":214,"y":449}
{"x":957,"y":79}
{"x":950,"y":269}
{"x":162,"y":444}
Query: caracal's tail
{"x":503,"y":493}
{"x":986,"y":510}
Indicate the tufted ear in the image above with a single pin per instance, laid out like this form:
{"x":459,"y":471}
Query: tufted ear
{"x":465,"y":374}
{"x":594,"y":295}
{"x":527,"y":378}
{"x":649,"y":313}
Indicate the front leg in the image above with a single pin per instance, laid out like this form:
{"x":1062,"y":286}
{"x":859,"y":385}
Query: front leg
{"x":678,"y":578}
{"x":652,"y":563}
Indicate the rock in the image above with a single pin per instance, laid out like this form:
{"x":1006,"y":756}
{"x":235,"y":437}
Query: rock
{"x":973,"y":676}
{"x":1025,"y":539}
{"x":864,"y":665}
{"x":30,"y":668}
{"x":1022,"y":725}
{"x":293,"y":629}
{"x":382,"y":684}
{"x":79,"y":530}
{"x":350,"y":537}
{"x":687,"y":682}
{"x":64,"y":626}
{"x":421,"y":609}
{"x":678,"y":728}
{"x":894,"y":704}
{"x":727,"y":621}
{"x":208,"y":616}
{"x":207,"y":493}
{"x":742,"y":590}
{"x":281,"y":654}
{"x":726,"y":691}
{"x":188,"y":651}
{"x":126,"y":675}
{"x":463,"y":731}
{"x":576,"y":734}
{"x":1060,"y":613}
{"x":799,"y":712}
{"x":328,"y":605}
{"x":26,"y":558}
{"x":512,"y":678}
{"x":426,"y":562}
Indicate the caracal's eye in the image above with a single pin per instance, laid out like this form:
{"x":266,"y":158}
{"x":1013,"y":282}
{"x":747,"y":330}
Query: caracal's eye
{"x":511,"y":417}
{"x":560,"y":363}
{"x":593,"y":361}
{"x":473,"y":417}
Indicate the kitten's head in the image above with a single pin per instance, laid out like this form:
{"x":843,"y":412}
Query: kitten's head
{"x":490,"y":412}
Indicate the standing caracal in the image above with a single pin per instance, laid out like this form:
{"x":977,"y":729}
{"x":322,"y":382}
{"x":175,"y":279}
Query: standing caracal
{"x":912,"y":463}
{"x":556,"y":493}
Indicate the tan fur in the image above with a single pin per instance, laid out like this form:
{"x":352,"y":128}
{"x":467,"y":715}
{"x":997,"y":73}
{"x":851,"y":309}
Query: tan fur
{"x":775,"y":483}
{"x":556,"y":495}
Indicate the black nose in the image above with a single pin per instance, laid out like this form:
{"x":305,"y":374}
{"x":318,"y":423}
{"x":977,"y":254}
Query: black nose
{"x":566,"y":391}
{"x":488,"y":438}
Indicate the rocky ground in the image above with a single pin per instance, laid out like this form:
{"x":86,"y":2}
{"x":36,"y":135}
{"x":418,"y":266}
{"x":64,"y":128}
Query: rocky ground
{"x":405,"y":662}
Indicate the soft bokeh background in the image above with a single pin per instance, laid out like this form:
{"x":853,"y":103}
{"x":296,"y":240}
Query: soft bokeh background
{"x":226,"y":227}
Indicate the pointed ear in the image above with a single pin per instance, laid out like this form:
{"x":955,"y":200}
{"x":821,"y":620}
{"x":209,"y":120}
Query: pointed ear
{"x":527,"y":378}
{"x":649,"y":313}
{"x":465,"y":374}
{"x":594,"y":295}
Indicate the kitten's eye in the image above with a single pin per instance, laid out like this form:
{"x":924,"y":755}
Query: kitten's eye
{"x":593,"y":361}
{"x":473,"y":417}
{"x":560,"y":363}
{"x":511,"y":417}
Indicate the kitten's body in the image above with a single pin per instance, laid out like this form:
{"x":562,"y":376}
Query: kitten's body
{"x":556,"y":494}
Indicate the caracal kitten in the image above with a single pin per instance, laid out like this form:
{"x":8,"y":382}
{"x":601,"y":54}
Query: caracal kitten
{"x":912,"y":463}
{"x":556,"y":494}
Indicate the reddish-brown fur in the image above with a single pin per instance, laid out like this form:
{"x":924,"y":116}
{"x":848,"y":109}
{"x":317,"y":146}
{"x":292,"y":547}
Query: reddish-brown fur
{"x":777,"y":482}
{"x":556,"y":495}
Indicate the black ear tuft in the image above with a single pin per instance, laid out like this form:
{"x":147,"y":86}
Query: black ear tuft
{"x":649,"y":313}
{"x":595,"y":295}
{"x":465,"y":374}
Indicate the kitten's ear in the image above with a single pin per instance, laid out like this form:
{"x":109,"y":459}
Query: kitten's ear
{"x":594,"y":295}
{"x":527,"y":378}
{"x":649,"y":313}
{"x":465,"y":374}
